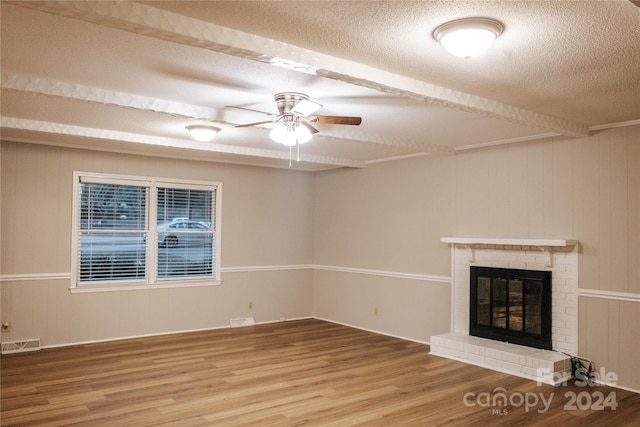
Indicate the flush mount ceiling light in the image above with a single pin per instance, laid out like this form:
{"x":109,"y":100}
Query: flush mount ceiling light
{"x":203,"y":133}
{"x":468,"y":37}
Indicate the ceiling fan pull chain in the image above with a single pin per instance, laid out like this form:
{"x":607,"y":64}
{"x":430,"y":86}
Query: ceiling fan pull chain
{"x":289,"y":156}
{"x":298,"y":156}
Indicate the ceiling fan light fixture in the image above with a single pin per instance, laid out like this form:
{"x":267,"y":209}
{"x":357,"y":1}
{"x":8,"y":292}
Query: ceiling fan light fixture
{"x":202,"y":133}
{"x":293,"y":123}
{"x":468,"y":37}
{"x":290,"y":135}
{"x":282,"y":135}
{"x":303,"y":135}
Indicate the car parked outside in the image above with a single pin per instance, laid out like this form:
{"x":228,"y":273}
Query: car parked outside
{"x":184,"y":249}
{"x":184,"y":232}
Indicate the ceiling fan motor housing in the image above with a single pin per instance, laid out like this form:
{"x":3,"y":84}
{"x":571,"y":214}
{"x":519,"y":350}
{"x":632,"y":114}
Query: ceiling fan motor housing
{"x":287,"y":100}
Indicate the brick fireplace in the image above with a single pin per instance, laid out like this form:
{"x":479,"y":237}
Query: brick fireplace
{"x":560,"y":258}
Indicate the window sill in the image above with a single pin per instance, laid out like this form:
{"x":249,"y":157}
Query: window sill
{"x":112,"y":288}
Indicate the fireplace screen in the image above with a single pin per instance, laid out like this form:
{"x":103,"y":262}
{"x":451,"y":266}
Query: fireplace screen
{"x":511,"y":305}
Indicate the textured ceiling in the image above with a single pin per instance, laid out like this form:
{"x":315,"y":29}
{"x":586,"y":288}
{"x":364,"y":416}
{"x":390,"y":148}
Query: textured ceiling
{"x":129,"y":76}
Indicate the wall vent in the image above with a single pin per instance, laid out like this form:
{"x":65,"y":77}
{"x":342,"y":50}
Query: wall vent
{"x":21,"y":346}
{"x":242,"y":321}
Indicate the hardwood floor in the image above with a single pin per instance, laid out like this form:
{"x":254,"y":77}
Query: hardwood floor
{"x":306,"y":372}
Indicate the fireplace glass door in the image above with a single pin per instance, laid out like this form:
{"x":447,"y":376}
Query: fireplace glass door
{"x":511,"y":305}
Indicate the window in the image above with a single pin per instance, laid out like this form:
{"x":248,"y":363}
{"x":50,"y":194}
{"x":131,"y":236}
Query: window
{"x":143,"y":232}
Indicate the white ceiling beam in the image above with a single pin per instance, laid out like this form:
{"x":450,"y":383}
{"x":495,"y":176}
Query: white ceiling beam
{"x":103,"y":134}
{"x":15,"y":82}
{"x":59,"y":89}
{"x":164,"y":25}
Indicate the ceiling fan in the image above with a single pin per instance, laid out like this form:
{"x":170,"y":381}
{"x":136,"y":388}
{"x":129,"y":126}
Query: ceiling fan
{"x":294,"y":118}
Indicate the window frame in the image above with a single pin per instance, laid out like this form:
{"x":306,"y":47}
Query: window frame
{"x":151,"y":279}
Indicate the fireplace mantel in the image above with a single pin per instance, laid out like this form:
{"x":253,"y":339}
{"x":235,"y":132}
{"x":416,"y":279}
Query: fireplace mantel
{"x":509,"y":242}
{"x":544,"y":245}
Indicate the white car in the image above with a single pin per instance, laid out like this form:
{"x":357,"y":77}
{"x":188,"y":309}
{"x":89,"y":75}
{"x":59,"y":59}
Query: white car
{"x":184,"y":232}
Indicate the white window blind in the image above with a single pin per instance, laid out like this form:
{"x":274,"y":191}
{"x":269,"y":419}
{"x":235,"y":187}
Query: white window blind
{"x":185,"y":232}
{"x":113,"y":226}
{"x":134,"y":231}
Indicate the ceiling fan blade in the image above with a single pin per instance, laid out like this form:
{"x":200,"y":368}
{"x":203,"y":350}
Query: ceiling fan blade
{"x":251,"y":109}
{"x":305,"y":107}
{"x":338,"y":120}
{"x":308,"y":126}
{"x":254,"y":124}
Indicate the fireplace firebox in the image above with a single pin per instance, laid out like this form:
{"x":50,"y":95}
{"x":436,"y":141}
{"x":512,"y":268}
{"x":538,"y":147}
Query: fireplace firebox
{"x":511,"y":305}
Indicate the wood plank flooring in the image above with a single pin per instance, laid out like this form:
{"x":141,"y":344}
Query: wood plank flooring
{"x":306,"y":372}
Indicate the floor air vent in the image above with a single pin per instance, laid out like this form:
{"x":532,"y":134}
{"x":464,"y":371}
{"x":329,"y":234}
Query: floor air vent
{"x":243,"y":321}
{"x":20,"y":346}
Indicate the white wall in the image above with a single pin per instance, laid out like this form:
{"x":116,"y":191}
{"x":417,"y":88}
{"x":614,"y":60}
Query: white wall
{"x":259,"y":230}
{"x":390,"y":217}
{"x":373,"y":233}
{"x":386,"y":219}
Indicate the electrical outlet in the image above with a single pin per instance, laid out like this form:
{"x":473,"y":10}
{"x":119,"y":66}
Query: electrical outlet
{"x":250,"y":305}
{"x":6,"y":326}
{"x":375,"y":311}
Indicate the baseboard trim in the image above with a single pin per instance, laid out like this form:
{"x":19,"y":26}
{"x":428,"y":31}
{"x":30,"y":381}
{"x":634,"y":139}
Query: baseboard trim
{"x":159,"y":334}
{"x":372,"y":330}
